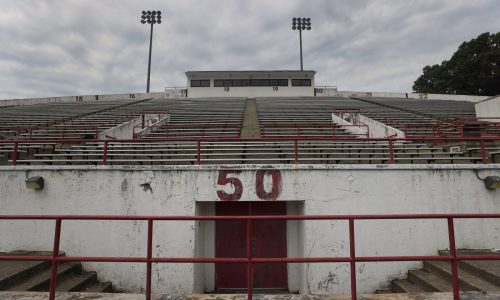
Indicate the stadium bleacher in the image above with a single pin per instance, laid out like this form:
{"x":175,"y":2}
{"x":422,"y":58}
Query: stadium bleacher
{"x":198,"y":131}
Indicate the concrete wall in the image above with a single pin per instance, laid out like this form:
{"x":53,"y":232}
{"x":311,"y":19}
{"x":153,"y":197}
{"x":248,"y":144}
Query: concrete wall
{"x":80,"y":98}
{"x":489,"y":108}
{"x":423,"y":96}
{"x":185,"y":190}
{"x":126,"y":130}
{"x":348,"y":126}
{"x":375,"y":129}
{"x":251,"y":91}
{"x":380,"y":130}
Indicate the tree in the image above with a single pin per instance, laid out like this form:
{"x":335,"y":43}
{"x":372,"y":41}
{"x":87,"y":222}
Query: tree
{"x":474,"y":69}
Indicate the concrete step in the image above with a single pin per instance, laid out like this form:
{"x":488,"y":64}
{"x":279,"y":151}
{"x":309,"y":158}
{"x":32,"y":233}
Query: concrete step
{"x":35,"y":275}
{"x":75,"y":282}
{"x":14,"y":271}
{"x":405,"y":286}
{"x":467,"y":280}
{"x":41,"y":281}
{"x":428,"y":281}
{"x":98,"y":287}
{"x":487,"y":270}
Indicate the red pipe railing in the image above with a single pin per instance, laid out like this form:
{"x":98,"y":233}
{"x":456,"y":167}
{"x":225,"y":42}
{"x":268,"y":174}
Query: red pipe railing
{"x":391,"y":141}
{"x":352,"y":259}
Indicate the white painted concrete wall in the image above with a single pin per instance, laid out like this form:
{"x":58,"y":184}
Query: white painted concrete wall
{"x":80,"y":98}
{"x":126,"y":130}
{"x":348,"y":126}
{"x":380,"y":130}
{"x":179,"y":190}
{"x":422,"y":96}
{"x":489,"y":108}
{"x":375,"y":129}
{"x":251,"y":91}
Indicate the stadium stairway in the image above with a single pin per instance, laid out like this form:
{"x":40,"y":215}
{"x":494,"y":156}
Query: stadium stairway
{"x":35,"y":276}
{"x":250,"y":127}
{"x":435,"y":276}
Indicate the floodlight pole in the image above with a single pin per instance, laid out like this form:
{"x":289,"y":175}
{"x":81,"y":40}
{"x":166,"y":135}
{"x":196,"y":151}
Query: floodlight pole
{"x":149,"y":61}
{"x":151,"y":18}
{"x":300,"y":37}
{"x":301,"y":24}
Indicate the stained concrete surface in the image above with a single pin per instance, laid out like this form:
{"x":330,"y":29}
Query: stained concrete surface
{"x":108,"y":296}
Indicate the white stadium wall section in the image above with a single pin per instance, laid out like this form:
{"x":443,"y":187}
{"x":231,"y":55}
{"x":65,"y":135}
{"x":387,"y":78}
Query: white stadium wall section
{"x":489,"y":108}
{"x":190,"y":190}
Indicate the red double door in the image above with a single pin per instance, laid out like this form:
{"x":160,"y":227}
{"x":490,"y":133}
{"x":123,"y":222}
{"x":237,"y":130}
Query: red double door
{"x":268,"y":240}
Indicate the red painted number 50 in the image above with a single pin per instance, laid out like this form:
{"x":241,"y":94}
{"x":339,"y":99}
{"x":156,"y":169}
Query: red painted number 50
{"x":259,"y":185}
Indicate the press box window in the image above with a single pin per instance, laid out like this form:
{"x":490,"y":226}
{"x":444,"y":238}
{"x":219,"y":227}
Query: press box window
{"x":260,"y":82}
{"x":279,"y":82}
{"x":301,"y":82}
{"x":200,"y":83}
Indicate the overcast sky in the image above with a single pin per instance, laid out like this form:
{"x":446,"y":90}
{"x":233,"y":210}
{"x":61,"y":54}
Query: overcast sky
{"x":73,"y":47}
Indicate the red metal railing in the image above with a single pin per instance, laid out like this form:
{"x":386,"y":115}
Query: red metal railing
{"x":295,"y":140}
{"x":352,"y":259}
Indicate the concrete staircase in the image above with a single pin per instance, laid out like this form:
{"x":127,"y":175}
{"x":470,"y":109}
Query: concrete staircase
{"x":436,"y":276}
{"x":250,"y":127}
{"x":35,"y":276}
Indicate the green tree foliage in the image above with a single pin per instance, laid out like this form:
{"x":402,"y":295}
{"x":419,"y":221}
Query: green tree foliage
{"x":474,"y":69}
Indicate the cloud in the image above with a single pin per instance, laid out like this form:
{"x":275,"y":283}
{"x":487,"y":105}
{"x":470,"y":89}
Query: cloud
{"x":53,"y":48}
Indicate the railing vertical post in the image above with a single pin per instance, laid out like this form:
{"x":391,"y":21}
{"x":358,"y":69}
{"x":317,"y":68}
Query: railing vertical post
{"x":14,"y":155}
{"x":55,"y":254}
{"x":105,"y":154}
{"x":453,"y":252}
{"x":249,"y":259}
{"x":96,"y":132}
{"x":31,"y":133}
{"x":352,"y":251}
{"x":391,"y":151}
{"x":296,"y":151}
{"x":198,"y":152}
{"x":484,"y":155}
{"x":149,"y":255}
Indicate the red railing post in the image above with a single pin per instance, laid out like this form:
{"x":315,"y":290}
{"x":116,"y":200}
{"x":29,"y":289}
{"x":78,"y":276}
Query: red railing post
{"x":198,"y":152}
{"x":249,"y":259}
{"x":484,"y":154}
{"x":55,"y":254}
{"x":296,"y":151}
{"x":105,"y":153}
{"x":14,"y":155}
{"x":391,"y":151}
{"x":149,"y":255}
{"x":453,"y":253}
{"x":352,"y":251}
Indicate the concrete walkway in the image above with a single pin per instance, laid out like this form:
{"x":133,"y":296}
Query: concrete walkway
{"x":97,"y":296}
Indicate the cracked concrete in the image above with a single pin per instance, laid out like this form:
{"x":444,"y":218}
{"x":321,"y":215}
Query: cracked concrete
{"x":109,"y":296}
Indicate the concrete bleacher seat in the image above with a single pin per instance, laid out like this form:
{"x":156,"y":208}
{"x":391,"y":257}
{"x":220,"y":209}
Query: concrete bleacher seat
{"x":213,"y":127}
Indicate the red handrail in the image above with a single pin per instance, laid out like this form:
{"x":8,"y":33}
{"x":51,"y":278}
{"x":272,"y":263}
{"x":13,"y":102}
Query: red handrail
{"x":481,"y":140}
{"x":352,"y":259}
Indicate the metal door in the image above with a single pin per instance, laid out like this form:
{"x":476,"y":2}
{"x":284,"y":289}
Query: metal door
{"x":268,"y":240}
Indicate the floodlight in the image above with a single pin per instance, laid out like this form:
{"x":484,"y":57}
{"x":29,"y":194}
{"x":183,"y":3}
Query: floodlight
{"x":301,"y":24}
{"x":150,"y":17}
{"x":492,"y":182}
{"x":35,"y":183}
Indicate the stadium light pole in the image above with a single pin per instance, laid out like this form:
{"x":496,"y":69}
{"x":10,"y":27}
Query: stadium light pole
{"x":301,"y":24}
{"x":150,"y":17}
